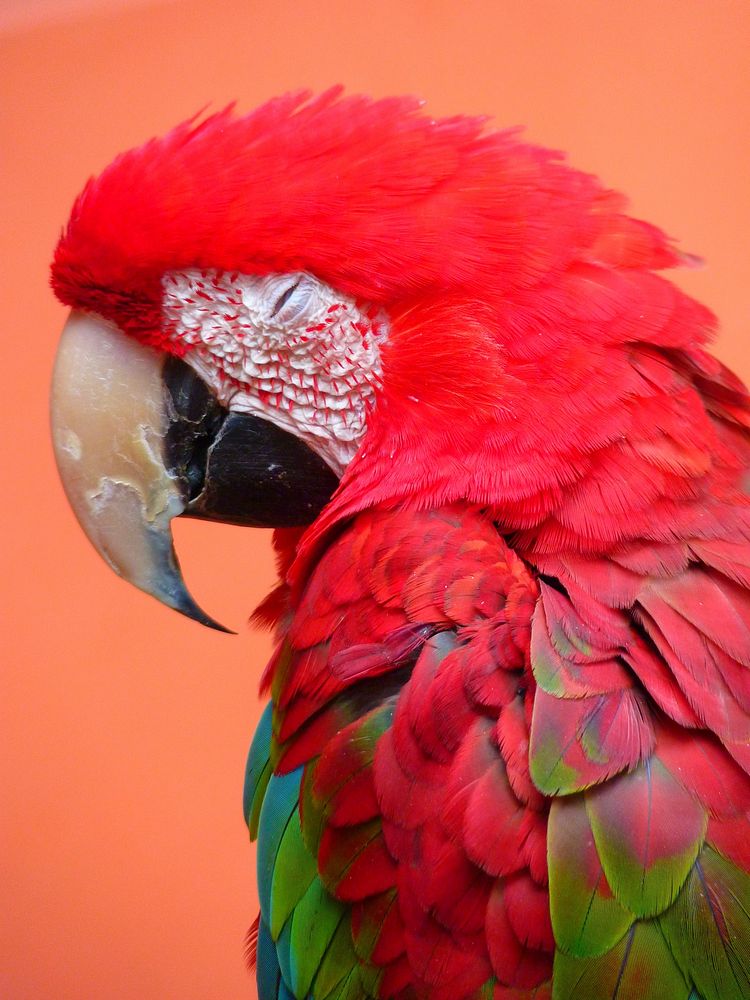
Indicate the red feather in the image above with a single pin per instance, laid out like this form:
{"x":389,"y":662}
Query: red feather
{"x":701,"y":765}
{"x":513,"y":964}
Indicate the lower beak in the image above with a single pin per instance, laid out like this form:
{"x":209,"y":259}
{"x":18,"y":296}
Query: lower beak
{"x":139,"y":440}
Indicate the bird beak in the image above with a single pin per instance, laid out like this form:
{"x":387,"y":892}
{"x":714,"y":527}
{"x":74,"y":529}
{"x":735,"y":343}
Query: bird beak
{"x":139,"y":440}
{"x":108,"y":426}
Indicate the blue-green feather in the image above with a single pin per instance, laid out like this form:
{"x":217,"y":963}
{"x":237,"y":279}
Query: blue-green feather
{"x":284,"y":953}
{"x":258,"y":770}
{"x":268,"y":973}
{"x":280,"y":803}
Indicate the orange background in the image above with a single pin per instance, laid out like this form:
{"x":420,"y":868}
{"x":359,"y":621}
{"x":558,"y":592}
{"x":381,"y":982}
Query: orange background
{"x":126,"y":871}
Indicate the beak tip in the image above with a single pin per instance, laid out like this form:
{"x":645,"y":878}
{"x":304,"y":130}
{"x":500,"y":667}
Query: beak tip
{"x":173,"y":592}
{"x":210,"y":622}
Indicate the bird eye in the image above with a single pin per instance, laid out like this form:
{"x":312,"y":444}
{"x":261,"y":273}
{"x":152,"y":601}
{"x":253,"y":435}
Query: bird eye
{"x":293,"y":301}
{"x":285,"y":296}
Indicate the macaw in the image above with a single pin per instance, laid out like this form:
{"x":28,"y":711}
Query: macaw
{"x":507,"y":749}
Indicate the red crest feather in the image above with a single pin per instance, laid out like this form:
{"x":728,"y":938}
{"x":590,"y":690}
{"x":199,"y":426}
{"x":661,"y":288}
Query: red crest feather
{"x":372,"y":196}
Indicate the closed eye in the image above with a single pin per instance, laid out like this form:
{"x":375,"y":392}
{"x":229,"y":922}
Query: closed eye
{"x":285,"y":296}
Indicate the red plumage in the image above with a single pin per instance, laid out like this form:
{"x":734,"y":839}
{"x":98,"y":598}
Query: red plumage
{"x":450,"y":817}
{"x":531,"y":586}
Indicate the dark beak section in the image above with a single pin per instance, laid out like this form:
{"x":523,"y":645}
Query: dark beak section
{"x":237,"y":467}
{"x":140,"y":440}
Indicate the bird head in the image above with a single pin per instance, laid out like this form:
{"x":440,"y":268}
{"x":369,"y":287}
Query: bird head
{"x":329,"y":295}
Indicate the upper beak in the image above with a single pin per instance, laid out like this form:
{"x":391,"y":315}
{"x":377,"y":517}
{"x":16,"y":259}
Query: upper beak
{"x":109,"y":423}
{"x":139,"y":440}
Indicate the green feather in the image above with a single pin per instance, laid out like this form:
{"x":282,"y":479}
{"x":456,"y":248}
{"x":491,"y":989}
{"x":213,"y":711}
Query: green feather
{"x":283,"y":661}
{"x":350,"y":988}
{"x":312,"y":826}
{"x":586,"y":918}
{"x":338,"y":961}
{"x":373,"y":916}
{"x":648,"y":831}
{"x":639,"y":967}
{"x":549,"y":770}
{"x":314,"y":923}
{"x":708,"y":928}
{"x":293,"y":871}
{"x":550,"y":649}
{"x":258,"y":771}
{"x":370,"y":977}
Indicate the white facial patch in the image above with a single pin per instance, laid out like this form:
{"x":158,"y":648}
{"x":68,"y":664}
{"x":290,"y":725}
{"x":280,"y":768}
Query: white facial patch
{"x":285,"y":347}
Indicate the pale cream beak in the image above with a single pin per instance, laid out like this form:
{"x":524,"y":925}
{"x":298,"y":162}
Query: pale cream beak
{"x":109,"y":419}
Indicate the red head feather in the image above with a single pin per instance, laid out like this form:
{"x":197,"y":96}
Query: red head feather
{"x":373,"y":197}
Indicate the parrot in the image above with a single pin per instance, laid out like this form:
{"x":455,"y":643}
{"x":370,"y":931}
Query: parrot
{"x":506,"y":750}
